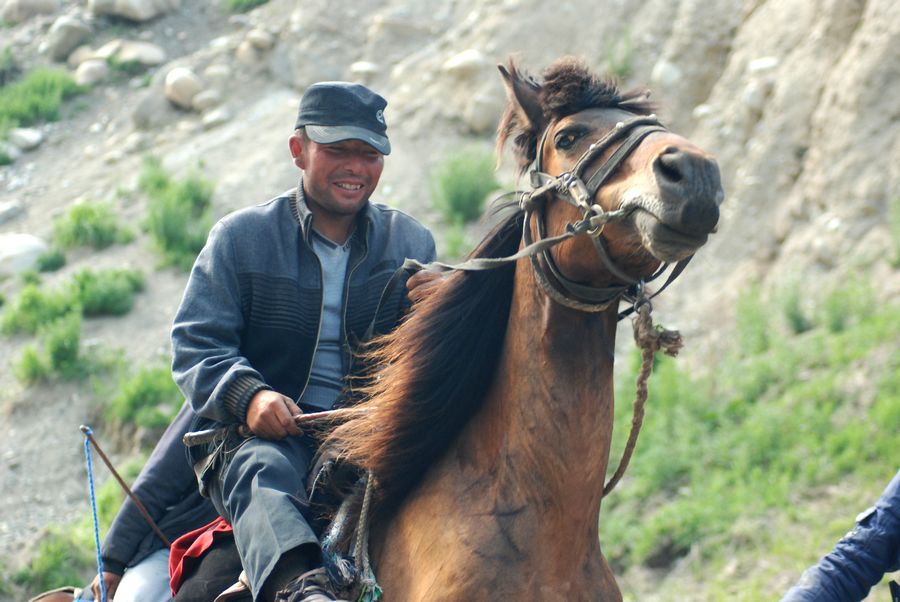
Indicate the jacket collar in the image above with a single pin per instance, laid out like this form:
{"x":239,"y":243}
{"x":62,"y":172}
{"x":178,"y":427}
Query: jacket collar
{"x":300,"y":210}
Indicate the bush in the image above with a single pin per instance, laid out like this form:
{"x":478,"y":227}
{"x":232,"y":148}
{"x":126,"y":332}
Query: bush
{"x":794,"y":312}
{"x":178,"y":213}
{"x":31,"y":367}
{"x":63,"y":557}
{"x":89,"y":224}
{"x":61,"y":355}
{"x":620,"y":57}
{"x":756,"y":448}
{"x":9,"y":67}
{"x":107,"y":292}
{"x":34,"y":308}
{"x":242,"y":6}
{"x":149,"y":399}
{"x":51,"y":260}
{"x":752,"y":322}
{"x":461,"y":183}
{"x":36,"y":97}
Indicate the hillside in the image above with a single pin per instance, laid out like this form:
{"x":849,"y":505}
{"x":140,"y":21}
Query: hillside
{"x":796,"y":98}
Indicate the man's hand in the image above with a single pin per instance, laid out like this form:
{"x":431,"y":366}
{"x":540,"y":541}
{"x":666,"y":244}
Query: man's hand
{"x":270,"y":415}
{"x":423,"y":283}
{"x":110,"y":583}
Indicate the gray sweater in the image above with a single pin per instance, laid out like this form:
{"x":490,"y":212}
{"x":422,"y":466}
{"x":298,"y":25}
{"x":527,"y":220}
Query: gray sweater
{"x":252,"y":307}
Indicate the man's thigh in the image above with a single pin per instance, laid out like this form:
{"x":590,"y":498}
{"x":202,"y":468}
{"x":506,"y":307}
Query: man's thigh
{"x":147,"y":581}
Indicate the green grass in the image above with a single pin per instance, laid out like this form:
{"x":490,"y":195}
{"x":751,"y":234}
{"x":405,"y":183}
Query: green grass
{"x":35,"y":307}
{"x":460,"y":184}
{"x":619,"y":57}
{"x":179,"y":215}
{"x":35,"y":97}
{"x":149,"y":399}
{"x":64,"y":555}
{"x":59,"y":357}
{"x":89,"y":224}
{"x":51,"y":260}
{"x":62,"y":558}
{"x":723,"y":453}
{"x":90,"y":292}
{"x":107,"y":292}
{"x":9,"y":66}
{"x":242,"y":6}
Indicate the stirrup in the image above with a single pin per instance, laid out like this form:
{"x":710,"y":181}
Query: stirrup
{"x":311,"y":586}
{"x":239,"y":590}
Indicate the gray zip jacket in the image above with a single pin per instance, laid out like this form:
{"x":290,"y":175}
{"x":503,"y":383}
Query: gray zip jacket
{"x":251,"y":311}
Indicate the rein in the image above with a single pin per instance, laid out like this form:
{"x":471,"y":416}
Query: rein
{"x":571,"y":187}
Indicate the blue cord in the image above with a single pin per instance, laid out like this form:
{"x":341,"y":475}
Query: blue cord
{"x":87,"y":453}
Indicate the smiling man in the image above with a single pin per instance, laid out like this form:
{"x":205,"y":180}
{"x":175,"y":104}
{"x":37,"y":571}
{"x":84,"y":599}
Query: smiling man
{"x":275,"y":304}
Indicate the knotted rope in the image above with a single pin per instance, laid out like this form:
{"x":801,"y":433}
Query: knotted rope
{"x":650,"y":338}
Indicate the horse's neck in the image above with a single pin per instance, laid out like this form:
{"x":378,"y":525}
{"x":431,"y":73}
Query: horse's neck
{"x":547,"y":421}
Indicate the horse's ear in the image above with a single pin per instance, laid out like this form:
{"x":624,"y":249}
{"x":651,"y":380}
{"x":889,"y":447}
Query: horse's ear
{"x":523,"y":118}
{"x":523,"y":94}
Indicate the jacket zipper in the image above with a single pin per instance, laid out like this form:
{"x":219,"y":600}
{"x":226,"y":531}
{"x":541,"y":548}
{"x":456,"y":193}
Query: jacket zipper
{"x":312,"y":358}
{"x":346,"y":300}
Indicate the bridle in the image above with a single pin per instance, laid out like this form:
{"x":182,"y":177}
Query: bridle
{"x":576,"y":189}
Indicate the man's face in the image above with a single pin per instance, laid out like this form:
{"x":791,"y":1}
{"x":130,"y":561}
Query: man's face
{"x":338,"y":178}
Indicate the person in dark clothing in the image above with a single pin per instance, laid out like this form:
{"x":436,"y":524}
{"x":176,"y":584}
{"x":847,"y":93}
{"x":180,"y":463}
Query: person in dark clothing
{"x":135,"y":559}
{"x":273,"y":311}
{"x":860,"y":559}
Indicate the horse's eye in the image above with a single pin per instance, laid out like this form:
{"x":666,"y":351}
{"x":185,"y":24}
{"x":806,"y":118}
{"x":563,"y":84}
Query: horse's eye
{"x":566,"y":139}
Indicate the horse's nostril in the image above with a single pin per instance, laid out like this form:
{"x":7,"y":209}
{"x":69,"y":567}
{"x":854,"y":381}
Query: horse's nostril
{"x":670,"y":165}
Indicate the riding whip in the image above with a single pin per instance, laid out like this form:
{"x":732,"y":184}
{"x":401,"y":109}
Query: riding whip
{"x":90,"y":437}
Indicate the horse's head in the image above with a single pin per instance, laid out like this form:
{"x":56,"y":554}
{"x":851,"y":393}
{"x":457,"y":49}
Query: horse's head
{"x":661,"y":192}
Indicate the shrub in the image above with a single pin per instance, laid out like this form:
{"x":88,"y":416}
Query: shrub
{"x":178,"y":213}
{"x":242,"y":6}
{"x":31,"y":367}
{"x":752,"y":322}
{"x":107,"y":292}
{"x":63,"y":341}
{"x":34,"y":307}
{"x":759,"y":450}
{"x":51,"y":260}
{"x":461,"y":183}
{"x":619,"y":57}
{"x":794,"y":312}
{"x":63,"y":557}
{"x":89,"y":224}
{"x":36,"y":97}
{"x":149,"y":399}
{"x":455,"y":242}
{"x":60,"y":356}
{"x":9,"y":67}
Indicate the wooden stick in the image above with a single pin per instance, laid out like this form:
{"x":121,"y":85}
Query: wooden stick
{"x":125,"y":487}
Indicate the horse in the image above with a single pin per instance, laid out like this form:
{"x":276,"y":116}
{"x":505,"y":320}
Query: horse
{"x":487,"y":420}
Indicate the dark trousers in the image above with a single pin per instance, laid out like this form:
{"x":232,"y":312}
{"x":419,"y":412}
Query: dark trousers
{"x":260,"y":488}
{"x":217,"y":570}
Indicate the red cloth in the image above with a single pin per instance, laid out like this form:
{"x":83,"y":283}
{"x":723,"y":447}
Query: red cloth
{"x":187,"y":550}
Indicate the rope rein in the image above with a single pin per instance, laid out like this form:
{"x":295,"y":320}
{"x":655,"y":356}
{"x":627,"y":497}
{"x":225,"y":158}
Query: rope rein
{"x":87,"y":454}
{"x":650,"y":339}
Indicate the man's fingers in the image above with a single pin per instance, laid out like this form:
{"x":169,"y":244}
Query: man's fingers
{"x":293,"y":410}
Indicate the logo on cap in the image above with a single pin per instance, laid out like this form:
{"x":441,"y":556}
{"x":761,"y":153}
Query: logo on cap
{"x":380,"y":116}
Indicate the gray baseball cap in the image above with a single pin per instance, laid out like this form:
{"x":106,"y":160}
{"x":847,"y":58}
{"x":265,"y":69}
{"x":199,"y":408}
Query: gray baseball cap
{"x":335,"y":111}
